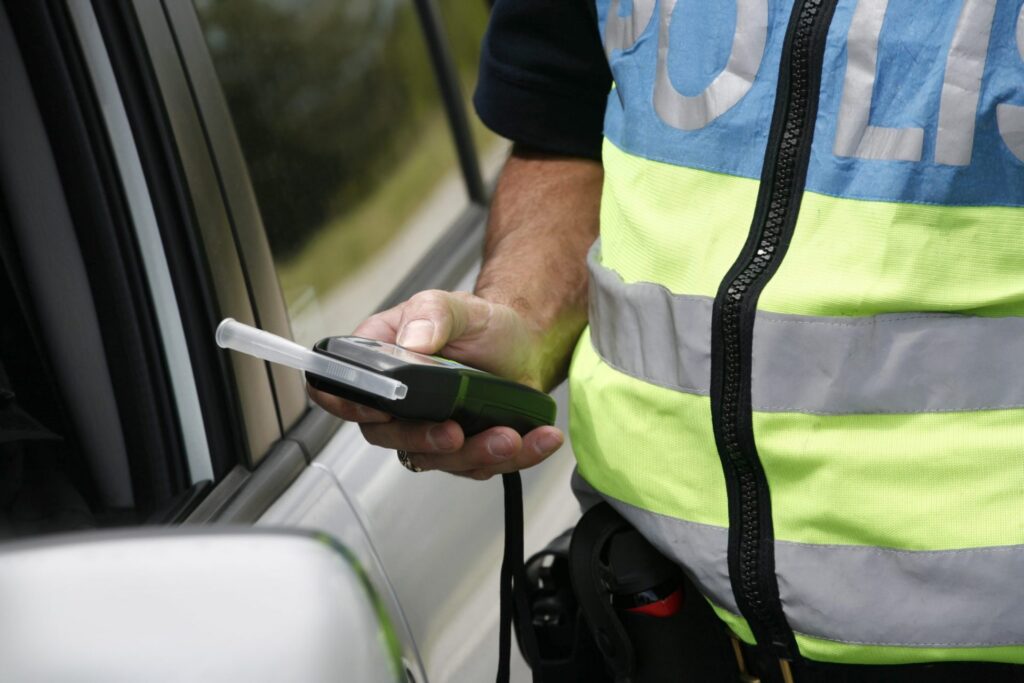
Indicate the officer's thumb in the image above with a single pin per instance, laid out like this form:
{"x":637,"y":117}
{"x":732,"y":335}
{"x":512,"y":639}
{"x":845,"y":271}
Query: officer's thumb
{"x":428,"y":320}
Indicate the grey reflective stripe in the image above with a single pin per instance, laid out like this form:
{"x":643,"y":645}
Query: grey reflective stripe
{"x":645,"y":331}
{"x":748,"y":45}
{"x":896,"y":363}
{"x":915,"y":363}
{"x":854,"y":137}
{"x":961,"y":85}
{"x":880,"y":596}
{"x":865,"y":595}
{"x":621,"y":33}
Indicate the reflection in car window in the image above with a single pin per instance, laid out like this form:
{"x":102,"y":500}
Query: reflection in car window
{"x":339,"y":117}
{"x":464,"y":23}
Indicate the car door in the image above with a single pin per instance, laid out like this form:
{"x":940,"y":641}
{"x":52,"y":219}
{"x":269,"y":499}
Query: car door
{"x":166,"y":167}
{"x":315,"y":161}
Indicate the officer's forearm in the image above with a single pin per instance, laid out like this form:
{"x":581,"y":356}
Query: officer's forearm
{"x":544,"y":217}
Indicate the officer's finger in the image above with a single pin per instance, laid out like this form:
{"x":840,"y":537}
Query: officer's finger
{"x":415,"y":437}
{"x":495,"y":451}
{"x":537,"y":446}
{"x":488,"y":448}
{"x":427,"y":321}
{"x":346,"y":410}
{"x":432,"y":318}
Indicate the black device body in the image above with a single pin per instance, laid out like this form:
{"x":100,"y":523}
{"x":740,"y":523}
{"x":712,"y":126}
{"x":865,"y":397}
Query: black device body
{"x":438,"y":389}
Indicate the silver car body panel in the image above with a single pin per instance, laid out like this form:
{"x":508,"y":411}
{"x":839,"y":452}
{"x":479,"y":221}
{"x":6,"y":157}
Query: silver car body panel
{"x":202,"y":605}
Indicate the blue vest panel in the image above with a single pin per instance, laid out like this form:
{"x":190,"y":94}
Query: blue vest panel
{"x":916,"y":106}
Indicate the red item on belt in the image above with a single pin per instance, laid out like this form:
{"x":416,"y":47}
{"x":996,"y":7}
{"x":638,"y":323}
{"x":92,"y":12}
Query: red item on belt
{"x":665,"y":607}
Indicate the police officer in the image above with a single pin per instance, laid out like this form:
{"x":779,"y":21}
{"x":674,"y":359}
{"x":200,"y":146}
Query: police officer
{"x":797,"y":371}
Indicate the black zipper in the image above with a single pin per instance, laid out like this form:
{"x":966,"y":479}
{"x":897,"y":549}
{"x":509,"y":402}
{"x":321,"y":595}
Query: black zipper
{"x":751,"y":535}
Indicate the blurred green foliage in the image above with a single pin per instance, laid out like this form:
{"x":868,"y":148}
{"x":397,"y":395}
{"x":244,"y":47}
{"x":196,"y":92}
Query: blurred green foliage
{"x":328,"y":97}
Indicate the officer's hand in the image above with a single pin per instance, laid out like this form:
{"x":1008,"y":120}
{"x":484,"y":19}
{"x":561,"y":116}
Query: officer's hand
{"x":471,"y":330}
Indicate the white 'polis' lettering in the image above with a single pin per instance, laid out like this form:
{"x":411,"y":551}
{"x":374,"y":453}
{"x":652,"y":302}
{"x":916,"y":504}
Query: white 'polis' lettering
{"x":621,"y":33}
{"x":855,"y":136}
{"x":958,"y":106}
{"x":729,"y":87}
{"x":1010,"y":117}
{"x":961,"y":85}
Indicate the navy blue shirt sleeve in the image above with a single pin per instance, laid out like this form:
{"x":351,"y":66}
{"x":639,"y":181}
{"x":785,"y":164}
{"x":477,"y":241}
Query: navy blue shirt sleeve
{"x":544,"y":80}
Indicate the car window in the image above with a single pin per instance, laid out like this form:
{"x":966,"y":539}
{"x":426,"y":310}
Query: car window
{"x":339,"y":116}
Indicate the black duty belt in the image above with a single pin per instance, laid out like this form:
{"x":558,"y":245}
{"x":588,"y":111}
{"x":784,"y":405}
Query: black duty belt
{"x":582,"y":624}
{"x":756,"y":670}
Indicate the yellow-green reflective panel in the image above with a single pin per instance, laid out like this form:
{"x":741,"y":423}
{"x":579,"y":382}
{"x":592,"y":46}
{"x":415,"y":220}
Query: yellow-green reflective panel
{"x":848,"y":257}
{"x":858,"y":258}
{"x":645,"y":445}
{"x":823,"y":650}
{"x":674,"y":226}
{"x":341,"y":122}
{"x":931,"y":481}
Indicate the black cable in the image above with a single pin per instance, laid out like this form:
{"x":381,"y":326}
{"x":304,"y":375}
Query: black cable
{"x":512,"y":485}
{"x":513,"y":573}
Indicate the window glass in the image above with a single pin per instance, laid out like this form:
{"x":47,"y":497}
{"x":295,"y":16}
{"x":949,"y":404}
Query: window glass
{"x":341,"y":122}
{"x":464,"y":23}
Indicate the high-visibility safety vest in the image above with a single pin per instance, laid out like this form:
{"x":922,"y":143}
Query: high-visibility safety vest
{"x":803,"y":377}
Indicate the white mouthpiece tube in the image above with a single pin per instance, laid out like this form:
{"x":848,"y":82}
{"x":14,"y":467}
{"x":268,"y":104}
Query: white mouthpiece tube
{"x":237,"y":336}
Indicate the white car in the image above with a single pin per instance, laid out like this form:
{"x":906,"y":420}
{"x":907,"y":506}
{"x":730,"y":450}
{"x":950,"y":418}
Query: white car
{"x":171,"y":511}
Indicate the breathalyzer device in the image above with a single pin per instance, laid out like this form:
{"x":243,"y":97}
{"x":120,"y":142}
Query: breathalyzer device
{"x":400,"y":382}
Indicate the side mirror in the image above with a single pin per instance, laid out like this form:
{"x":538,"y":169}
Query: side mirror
{"x":190,"y":605}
